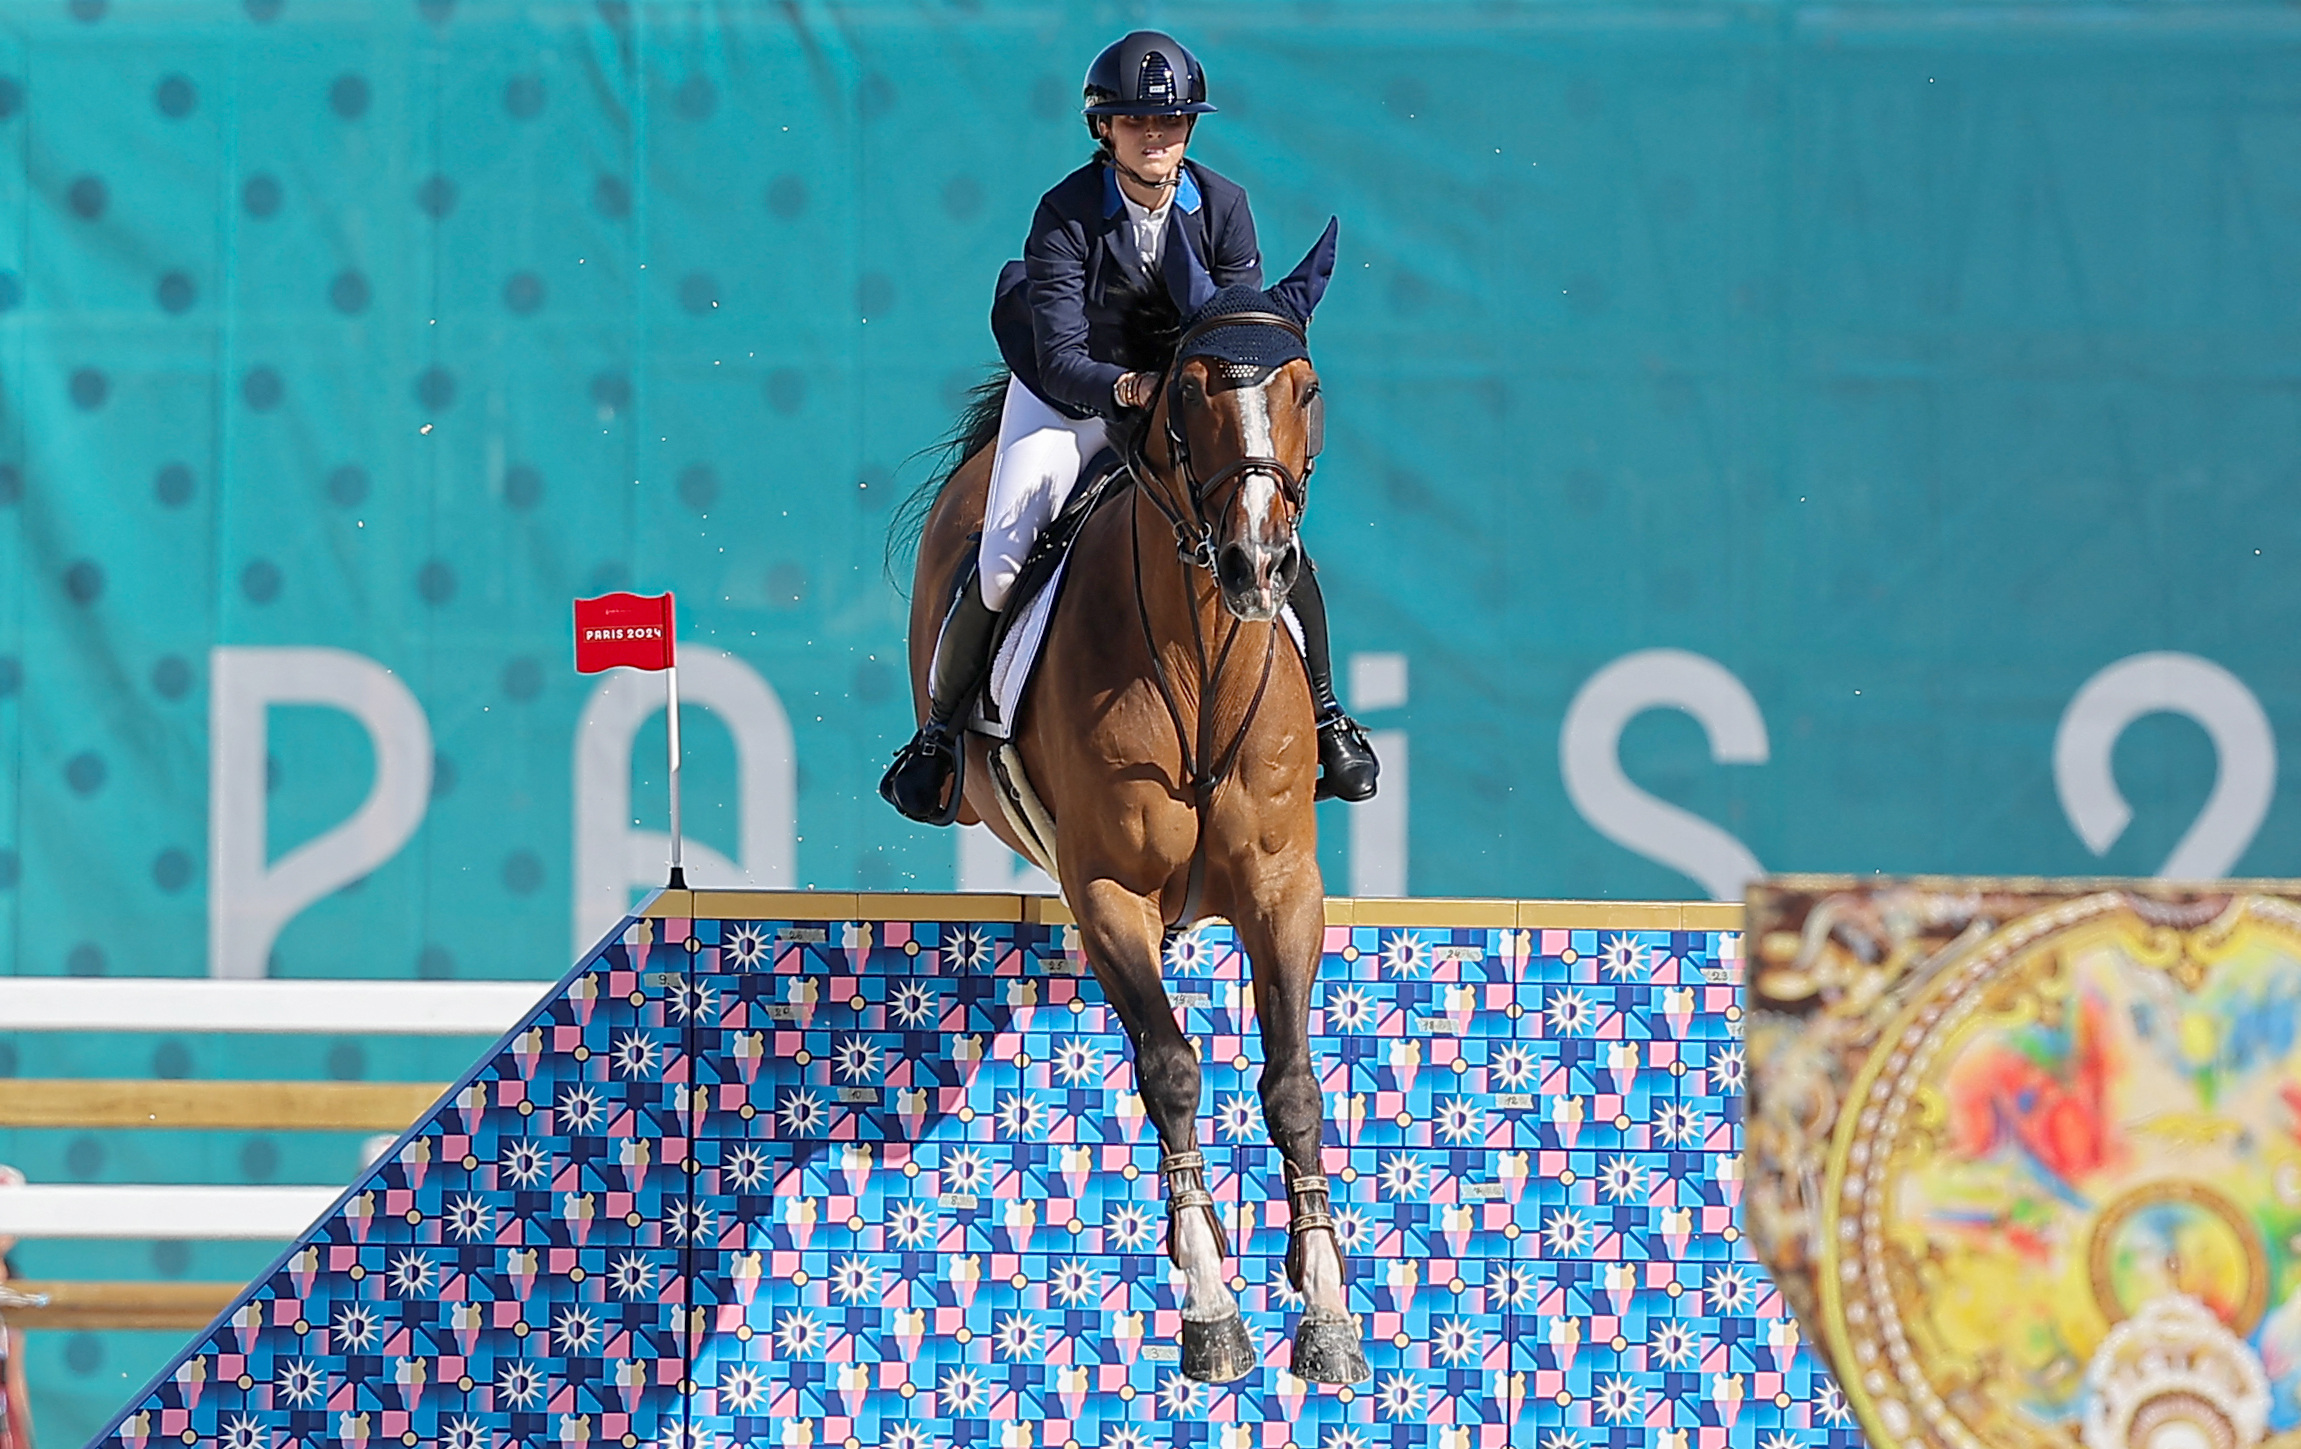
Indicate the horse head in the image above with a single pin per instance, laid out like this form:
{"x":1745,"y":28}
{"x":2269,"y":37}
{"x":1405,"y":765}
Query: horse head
{"x":1243,"y":421}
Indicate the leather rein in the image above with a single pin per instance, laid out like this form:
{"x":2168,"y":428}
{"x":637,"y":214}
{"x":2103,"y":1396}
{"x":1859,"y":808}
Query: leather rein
{"x":1204,"y":767}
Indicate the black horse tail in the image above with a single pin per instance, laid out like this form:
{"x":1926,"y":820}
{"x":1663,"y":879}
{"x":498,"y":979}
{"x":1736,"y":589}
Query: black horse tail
{"x":976,"y":429}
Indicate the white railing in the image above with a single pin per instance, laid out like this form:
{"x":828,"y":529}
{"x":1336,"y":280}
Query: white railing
{"x":198,"y":1004}
{"x":88,"y":1211}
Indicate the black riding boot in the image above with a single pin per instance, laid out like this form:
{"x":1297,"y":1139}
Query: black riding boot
{"x":928,"y":767}
{"x":1346,"y":764}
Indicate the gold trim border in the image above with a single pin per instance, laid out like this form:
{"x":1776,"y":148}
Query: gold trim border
{"x":1425,"y":911}
{"x":83,"y":1306}
{"x":251,"y":1106}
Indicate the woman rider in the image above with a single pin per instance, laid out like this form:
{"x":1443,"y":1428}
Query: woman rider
{"x":1095,"y":243}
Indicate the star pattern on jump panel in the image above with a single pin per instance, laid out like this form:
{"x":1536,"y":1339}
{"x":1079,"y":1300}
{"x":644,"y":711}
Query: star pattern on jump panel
{"x":791,"y":1183}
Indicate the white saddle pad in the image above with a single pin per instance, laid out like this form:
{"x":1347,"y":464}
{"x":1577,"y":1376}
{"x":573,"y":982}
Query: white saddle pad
{"x":1019,"y":658}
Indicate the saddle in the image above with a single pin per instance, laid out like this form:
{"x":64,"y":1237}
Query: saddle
{"x":1038,"y":589}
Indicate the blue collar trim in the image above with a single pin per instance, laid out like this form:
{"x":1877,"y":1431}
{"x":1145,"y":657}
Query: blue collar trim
{"x":1186,"y":195}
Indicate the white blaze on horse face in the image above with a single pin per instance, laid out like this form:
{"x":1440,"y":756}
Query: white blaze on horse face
{"x":1258,"y":488}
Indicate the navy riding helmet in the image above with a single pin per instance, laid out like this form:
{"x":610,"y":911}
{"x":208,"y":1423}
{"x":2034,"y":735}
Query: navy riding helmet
{"x":1147,"y":73}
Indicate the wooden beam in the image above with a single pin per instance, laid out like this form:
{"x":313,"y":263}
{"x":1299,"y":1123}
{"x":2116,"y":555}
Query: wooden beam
{"x":1051,"y":910}
{"x":175,"y":1306}
{"x":255,"y":1106}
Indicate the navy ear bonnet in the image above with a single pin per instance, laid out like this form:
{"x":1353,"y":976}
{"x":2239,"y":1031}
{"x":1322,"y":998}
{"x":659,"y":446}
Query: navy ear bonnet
{"x":1247,"y":351}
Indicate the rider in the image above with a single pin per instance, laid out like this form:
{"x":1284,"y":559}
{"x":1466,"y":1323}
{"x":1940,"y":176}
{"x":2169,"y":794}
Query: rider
{"x":1096,"y":241}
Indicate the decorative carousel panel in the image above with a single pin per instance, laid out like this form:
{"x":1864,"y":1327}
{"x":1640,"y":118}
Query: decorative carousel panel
{"x":2026,"y":1156}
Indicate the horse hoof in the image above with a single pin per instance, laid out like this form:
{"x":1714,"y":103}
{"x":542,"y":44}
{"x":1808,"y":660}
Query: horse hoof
{"x":1327,"y":1350}
{"x":1217,"y":1352}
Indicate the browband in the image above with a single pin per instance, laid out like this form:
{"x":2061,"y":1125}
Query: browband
{"x":1239,"y":319}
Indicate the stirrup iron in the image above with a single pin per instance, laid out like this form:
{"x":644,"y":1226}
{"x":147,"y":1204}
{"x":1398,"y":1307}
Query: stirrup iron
{"x":935,"y":738}
{"x":1340,"y":735}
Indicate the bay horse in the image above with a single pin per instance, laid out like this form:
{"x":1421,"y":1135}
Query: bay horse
{"x":1169,"y":734}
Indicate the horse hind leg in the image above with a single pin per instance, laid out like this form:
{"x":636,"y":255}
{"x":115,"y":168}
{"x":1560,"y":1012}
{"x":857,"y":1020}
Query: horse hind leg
{"x":1120,"y":932}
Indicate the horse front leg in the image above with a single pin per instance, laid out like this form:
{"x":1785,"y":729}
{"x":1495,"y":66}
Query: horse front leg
{"x":1121,"y":933}
{"x":1285,"y":947}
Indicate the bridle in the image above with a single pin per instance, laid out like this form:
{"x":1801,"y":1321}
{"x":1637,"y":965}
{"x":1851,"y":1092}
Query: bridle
{"x":1205,"y":768}
{"x":1194,"y":535}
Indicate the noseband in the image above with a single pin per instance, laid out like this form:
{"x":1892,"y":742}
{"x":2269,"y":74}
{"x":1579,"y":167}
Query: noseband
{"x":1194,"y":535}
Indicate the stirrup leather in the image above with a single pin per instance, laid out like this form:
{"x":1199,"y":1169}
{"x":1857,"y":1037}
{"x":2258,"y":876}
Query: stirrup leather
{"x":1185,"y":1176}
{"x":1308,"y":1207}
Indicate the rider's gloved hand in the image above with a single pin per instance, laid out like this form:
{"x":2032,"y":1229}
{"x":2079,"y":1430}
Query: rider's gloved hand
{"x":1133,"y":389}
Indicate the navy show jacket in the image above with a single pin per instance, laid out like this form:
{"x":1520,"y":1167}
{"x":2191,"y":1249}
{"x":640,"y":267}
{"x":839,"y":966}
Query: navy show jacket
{"x":1058,"y":311}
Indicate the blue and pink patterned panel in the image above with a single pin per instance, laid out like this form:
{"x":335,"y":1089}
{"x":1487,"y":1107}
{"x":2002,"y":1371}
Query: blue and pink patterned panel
{"x":844,"y":1184}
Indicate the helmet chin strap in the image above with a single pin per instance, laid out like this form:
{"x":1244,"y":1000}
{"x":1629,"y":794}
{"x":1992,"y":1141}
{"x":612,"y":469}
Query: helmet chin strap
{"x":1141,"y":180}
{"x":1135,"y":176}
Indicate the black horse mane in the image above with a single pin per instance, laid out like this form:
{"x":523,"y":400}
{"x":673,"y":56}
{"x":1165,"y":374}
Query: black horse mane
{"x":1150,"y":326}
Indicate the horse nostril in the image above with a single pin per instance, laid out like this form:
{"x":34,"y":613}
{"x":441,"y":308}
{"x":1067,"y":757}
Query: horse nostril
{"x":1289,"y":568}
{"x":1234,"y":566}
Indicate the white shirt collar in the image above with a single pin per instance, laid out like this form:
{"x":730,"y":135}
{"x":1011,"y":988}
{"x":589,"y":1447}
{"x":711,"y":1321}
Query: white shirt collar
{"x":1149,"y":227}
{"x":1140,"y":213}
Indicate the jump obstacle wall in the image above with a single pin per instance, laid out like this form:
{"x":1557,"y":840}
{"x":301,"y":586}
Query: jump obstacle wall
{"x":772,"y":1169}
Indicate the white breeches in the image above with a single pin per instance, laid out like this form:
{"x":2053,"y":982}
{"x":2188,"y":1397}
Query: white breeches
{"x":1037,"y":466}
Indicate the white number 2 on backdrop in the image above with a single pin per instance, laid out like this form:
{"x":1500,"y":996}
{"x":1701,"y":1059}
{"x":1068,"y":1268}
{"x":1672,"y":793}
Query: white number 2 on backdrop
{"x":2244,"y":749}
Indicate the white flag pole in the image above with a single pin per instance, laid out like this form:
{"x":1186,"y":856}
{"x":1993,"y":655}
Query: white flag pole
{"x":678,"y":880}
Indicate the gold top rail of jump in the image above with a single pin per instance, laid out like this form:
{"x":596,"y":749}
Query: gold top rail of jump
{"x":98,"y":1305}
{"x":256,"y":1106}
{"x":1039,"y":910}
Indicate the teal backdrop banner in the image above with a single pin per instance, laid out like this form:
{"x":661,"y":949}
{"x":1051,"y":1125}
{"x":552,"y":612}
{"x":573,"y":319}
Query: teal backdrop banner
{"x":1763,"y":436}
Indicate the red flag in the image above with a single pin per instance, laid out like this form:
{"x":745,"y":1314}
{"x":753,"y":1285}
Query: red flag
{"x":625,"y":630}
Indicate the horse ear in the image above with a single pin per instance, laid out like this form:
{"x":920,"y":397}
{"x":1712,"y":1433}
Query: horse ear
{"x":1303,"y":286}
{"x":1186,"y":276}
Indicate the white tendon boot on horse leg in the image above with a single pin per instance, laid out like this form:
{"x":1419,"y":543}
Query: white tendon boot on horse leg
{"x":1216,"y":1345}
{"x":1327,"y":1345}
